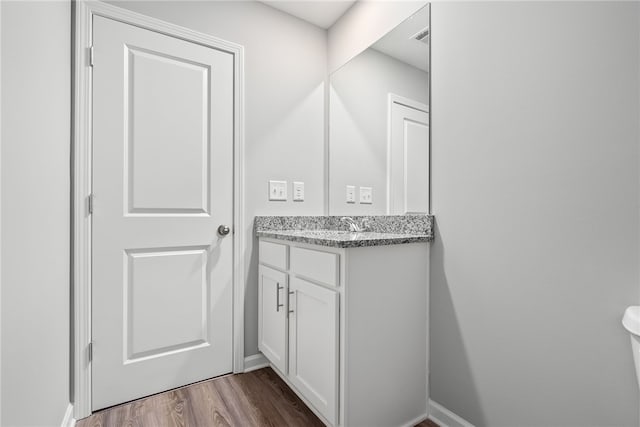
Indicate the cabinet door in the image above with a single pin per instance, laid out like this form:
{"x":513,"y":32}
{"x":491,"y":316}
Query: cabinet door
{"x":313,"y":345}
{"x":272,"y":316}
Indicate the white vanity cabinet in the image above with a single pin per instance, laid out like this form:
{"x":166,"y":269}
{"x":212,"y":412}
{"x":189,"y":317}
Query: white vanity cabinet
{"x":298,"y":320}
{"x":313,"y":345}
{"x":273,"y":316}
{"x":346,"y":328}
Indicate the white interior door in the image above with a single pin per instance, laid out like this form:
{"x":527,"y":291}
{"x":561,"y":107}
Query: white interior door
{"x":162,"y":184}
{"x":409,"y":162}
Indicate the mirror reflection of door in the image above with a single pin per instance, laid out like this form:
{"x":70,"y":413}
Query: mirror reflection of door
{"x":362,"y":154}
{"x":408,"y":157}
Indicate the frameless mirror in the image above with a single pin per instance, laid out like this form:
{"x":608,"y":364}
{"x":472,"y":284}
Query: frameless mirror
{"x":379,"y":126}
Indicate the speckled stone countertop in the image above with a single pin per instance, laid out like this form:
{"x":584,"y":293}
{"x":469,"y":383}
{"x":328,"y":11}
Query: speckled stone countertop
{"x":330,"y":231}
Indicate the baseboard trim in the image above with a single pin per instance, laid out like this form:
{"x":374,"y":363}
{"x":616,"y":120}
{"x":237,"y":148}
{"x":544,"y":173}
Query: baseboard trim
{"x":254,"y":362}
{"x":68,"y":420}
{"x":416,"y":420}
{"x":444,"y":417}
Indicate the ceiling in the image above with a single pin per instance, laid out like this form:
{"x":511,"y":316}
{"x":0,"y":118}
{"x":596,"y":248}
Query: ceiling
{"x":400,"y":43}
{"x":322,"y":13}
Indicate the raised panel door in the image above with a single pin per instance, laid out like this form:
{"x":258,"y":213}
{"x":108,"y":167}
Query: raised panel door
{"x":162,"y":183}
{"x":409,"y":161}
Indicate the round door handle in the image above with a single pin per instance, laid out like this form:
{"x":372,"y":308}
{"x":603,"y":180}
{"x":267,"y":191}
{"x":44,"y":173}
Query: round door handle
{"x":223,"y":230}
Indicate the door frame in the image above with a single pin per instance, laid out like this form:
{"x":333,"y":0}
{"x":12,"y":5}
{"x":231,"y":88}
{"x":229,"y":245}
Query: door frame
{"x":84,"y":11}
{"x":410,"y":103}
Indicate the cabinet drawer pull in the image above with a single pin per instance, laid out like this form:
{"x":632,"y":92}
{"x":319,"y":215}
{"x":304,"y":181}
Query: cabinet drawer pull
{"x":291,"y":293}
{"x":278,"y":305}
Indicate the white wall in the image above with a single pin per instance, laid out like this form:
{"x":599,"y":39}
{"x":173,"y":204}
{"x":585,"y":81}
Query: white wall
{"x":35,"y":51}
{"x":535,"y":186}
{"x":358,"y":126}
{"x":285,"y":70}
{"x":0,"y":213}
{"x":364,"y":24}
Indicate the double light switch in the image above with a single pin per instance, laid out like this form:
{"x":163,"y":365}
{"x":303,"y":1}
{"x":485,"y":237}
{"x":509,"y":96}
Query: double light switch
{"x":278,"y":191}
{"x":366,"y":195}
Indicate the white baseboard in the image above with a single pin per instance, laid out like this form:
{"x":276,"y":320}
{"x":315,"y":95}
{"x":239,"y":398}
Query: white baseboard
{"x":444,"y":417}
{"x":256,"y":361}
{"x":416,"y":421}
{"x":68,"y":420}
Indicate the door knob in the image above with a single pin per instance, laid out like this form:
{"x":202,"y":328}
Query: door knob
{"x":223,"y":230}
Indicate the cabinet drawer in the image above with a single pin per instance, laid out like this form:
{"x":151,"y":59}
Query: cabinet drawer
{"x":316,"y":265}
{"x":273,"y":254}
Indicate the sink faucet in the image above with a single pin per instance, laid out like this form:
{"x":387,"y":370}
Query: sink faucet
{"x":353,"y":225}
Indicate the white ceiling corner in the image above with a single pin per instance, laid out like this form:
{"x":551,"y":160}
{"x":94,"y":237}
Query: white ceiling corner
{"x":400,"y":42}
{"x":322,"y":13}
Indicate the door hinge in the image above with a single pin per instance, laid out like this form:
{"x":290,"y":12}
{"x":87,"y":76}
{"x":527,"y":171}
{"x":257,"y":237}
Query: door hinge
{"x":90,"y":351}
{"x":90,"y":203}
{"x":91,"y":56}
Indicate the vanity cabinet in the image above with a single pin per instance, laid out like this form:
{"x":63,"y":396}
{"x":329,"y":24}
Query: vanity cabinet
{"x":346,"y":328}
{"x":313,"y":344}
{"x":272,"y":325}
{"x":298,"y":321}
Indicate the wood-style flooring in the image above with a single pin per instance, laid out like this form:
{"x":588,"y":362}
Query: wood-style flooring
{"x":256,"y":399}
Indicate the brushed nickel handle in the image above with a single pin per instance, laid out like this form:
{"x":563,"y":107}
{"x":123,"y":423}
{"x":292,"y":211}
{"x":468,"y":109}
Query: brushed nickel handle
{"x":291,"y":293}
{"x":278,"y":305}
{"x":223,"y":230}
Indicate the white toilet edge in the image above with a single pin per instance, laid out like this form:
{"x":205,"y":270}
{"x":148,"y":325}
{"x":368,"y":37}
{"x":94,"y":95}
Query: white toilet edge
{"x":631,"y":319}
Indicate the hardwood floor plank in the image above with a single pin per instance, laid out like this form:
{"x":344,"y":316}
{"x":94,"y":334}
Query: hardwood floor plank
{"x":427,"y":423}
{"x":262,"y":410}
{"x":277,"y":395}
{"x":256,"y":399}
{"x":95,"y":420}
{"x":207,"y":406}
{"x":175,"y":408}
{"x":292,"y":408}
{"x":242,"y":414}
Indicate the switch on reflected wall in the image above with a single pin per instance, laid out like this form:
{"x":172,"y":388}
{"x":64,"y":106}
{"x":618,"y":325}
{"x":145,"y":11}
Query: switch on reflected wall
{"x":366,"y":195}
{"x":298,"y":191}
{"x":351,"y":194}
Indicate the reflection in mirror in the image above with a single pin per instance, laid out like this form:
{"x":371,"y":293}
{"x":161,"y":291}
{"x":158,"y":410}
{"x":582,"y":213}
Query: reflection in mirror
{"x":379,"y":126}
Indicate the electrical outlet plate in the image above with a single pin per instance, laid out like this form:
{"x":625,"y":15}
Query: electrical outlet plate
{"x":366,"y":195}
{"x":351,"y":193}
{"x":298,"y":191}
{"x":277,"y":190}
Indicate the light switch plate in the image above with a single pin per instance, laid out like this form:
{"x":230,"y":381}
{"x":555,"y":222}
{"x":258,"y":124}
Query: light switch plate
{"x":298,"y":191}
{"x":351,"y":193}
{"x":277,"y":190}
{"x":366,"y":195}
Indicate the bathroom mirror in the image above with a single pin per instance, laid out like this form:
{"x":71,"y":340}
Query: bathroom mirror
{"x":379,"y":125}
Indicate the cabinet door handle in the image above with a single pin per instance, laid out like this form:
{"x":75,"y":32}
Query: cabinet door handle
{"x":278,"y":305}
{"x":291,"y":293}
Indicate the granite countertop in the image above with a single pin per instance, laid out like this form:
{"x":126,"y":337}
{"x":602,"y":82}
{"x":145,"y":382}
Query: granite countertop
{"x":329,"y":231}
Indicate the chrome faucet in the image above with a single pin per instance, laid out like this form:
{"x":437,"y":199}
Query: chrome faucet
{"x":353,"y":225}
